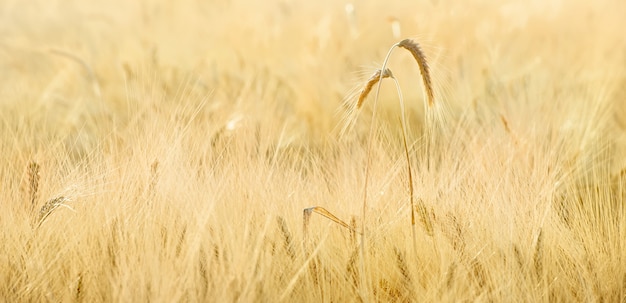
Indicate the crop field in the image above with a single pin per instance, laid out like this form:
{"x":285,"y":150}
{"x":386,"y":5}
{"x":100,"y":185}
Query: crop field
{"x":312,"y":151}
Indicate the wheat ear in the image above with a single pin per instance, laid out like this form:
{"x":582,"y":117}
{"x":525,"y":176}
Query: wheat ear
{"x":32,"y":185}
{"x":325,"y":213}
{"x":49,"y":207}
{"x":288,"y":244}
{"x":538,"y":255}
{"x":377,"y":76}
{"x":420,"y":58}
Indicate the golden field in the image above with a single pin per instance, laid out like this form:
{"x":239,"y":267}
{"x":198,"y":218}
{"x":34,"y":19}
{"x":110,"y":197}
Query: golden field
{"x":171,"y":151}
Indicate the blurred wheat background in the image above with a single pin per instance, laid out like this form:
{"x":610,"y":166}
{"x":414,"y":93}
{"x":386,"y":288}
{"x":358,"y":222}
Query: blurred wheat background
{"x":164,"y":151}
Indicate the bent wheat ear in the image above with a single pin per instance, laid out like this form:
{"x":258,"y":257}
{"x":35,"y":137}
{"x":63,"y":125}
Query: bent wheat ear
{"x":419,"y":56}
{"x":90,"y":73}
{"x":322,"y":211}
{"x":370,"y":83}
{"x":47,"y":209}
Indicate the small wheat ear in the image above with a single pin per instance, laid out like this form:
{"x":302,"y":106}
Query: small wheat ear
{"x":371,"y":82}
{"x":32,"y":186}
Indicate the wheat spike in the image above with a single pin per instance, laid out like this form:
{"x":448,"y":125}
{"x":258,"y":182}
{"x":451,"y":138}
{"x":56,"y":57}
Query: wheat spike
{"x":419,"y":56}
{"x":450,"y":274}
{"x":288,"y":244}
{"x":32,"y":187}
{"x":404,"y":270}
{"x":154,"y":177}
{"x":425,"y":217}
{"x":538,"y":255}
{"x":370,"y":83}
{"x":79,"y":288}
{"x":353,"y":230}
{"x":49,"y":207}
{"x":322,"y":211}
{"x":353,"y":270}
{"x":505,"y":123}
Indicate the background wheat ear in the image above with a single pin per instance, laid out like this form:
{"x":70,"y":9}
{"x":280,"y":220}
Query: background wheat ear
{"x":420,"y":58}
{"x":91,"y":75}
{"x":49,"y":207}
{"x":31,"y":187}
{"x":287,"y":237}
{"x":325,"y":213}
{"x":154,"y":177}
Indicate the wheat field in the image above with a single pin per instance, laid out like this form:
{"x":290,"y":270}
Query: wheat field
{"x":213,"y":151}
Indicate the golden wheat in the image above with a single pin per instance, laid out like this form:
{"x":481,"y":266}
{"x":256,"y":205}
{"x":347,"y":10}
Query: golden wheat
{"x":212,"y":218}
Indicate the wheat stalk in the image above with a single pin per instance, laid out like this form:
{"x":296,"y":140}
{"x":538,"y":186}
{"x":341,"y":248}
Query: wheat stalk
{"x":419,"y":56}
{"x":376,"y":78}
